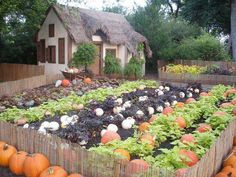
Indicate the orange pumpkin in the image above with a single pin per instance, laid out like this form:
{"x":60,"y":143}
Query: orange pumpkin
{"x":227,"y":168}
{"x":151,"y":143}
{"x":35,"y":164}
{"x":143,"y":126}
{"x":187,"y":138}
{"x":110,"y":136}
{"x":233,"y":101}
{"x":152,"y":119}
{"x":16,"y":162}
{"x":65,"y":83}
{"x":229,"y":171}
{"x":54,"y":171}
{"x":6,"y":151}
{"x":204,"y":128}
{"x":180,"y":105}
{"x":191,"y":156}
{"x":147,"y":136}
{"x":230,"y":91}
{"x":75,"y":175}
{"x":219,"y":113}
{"x":167,"y":111}
{"x":221,"y":174}
{"x":190,"y":100}
{"x":123,"y":153}
{"x":229,"y":161}
{"x":204,"y":94}
{"x":136,"y":166}
{"x":180,"y":121}
{"x":225,"y":105}
{"x":87,"y":80}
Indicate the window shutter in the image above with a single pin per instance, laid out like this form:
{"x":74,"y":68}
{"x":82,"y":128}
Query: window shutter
{"x":38,"y":51}
{"x":61,"y":50}
{"x":53,"y":54}
{"x":51,"y":30}
{"x":42,"y":51}
{"x":47,"y":55}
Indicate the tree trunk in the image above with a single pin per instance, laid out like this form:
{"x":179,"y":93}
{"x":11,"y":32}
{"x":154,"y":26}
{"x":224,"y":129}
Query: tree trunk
{"x":233,"y":27}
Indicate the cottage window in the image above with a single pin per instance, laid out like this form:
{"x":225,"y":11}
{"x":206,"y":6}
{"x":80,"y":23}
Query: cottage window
{"x":51,"y":54}
{"x":111,"y":51}
{"x":61,"y":50}
{"x":51,"y":30}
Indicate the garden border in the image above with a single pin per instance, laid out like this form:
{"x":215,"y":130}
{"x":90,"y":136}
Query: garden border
{"x":74,"y":158}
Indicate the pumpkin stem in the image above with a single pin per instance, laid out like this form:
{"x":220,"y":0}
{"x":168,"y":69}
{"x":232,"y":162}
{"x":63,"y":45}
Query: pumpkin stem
{"x":30,"y":155}
{"x":50,"y":171}
{"x":5,"y":147}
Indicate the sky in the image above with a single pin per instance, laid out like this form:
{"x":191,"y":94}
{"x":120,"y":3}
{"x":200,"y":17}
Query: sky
{"x":99,"y":4}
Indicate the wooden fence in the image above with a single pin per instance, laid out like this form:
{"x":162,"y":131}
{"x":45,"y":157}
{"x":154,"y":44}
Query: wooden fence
{"x":224,"y":64}
{"x":11,"y":72}
{"x":76,"y":159}
{"x":11,"y":87}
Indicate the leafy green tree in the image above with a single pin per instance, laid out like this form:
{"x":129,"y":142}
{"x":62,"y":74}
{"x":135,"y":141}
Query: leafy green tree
{"x":85,"y":55}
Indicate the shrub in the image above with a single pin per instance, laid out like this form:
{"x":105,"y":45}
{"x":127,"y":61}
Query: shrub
{"x":134,"y":67}
{"x":205,"y":47}
{"x":85,"y":55}
{"x":112,"y":65}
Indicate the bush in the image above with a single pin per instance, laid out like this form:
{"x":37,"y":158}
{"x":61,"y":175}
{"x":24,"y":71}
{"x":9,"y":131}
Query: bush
{"x":134,"y":68}
{"x":85,"y":55}
{"x":112,"y":65}
{"x":205,"y":47}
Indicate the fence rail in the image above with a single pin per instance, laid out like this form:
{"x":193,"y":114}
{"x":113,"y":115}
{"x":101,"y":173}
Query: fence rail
{"x":11,"y":72}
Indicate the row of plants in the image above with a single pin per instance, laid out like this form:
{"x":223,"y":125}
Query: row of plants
{"x":194,"y":69}
{"x":73,"y":101}
{"x":177,"y":138}
{"x":62,"y":88}
{"x":29,"y":165}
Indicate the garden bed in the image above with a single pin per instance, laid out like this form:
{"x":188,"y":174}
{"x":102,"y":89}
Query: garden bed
{"x":95,"y":111}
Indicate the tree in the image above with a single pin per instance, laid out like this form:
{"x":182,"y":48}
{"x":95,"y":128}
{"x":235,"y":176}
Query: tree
{"x":119,"y":9}
{"x":233,"y":28}
{"x":85,"y":55}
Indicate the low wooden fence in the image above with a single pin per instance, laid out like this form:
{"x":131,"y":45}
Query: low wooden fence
{"x":11,"y":72}
{"x":76,"y":159}
{"x":11,"y":87}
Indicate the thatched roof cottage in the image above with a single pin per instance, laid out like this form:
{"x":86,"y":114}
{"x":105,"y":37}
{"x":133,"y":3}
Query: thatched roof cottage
{"x":64,"y":28}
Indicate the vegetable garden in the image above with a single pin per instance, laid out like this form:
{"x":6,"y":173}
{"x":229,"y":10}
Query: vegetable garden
{"x":145,"y":126}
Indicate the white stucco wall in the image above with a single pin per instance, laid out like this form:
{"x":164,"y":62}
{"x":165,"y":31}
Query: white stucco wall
{"x":59,"y":32}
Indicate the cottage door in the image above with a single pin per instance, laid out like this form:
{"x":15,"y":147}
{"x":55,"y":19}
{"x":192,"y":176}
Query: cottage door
{"x":96,"y":67}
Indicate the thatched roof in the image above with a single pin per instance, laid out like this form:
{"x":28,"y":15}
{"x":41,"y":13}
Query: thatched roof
{"x":83,"y":23}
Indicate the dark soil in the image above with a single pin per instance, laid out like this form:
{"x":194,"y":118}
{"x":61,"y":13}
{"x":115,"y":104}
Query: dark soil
{"x":5,"y":172}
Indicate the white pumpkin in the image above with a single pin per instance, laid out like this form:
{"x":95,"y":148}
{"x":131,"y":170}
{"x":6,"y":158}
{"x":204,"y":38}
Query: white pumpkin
{"x":161,"y":87}
{"x":99,"y":112}
{"x":127,"y":104}
{"x":132,"y":120}
{"x":58,"y":83}
{"x":160,"y":93}
{"x":64,"y":124}
{"x":142,"y":98}
{"x":189,"y":95}
{"x":126,"y":124}
{"x":167,"y":88}
{"x":151,"y":110}
{"x":54,"y":126}
{"x":139,"y":113}
{"x":160,"y":108}
{"x":26,"y":126}
{"x":83,"y":142}
{"x":117,"y":110}
{"x":196,"y":90}
{"x":119,"y":101}
{"x":45,"y":124}
{"x":103,"y":132}
{"x":112,"y":127}
{"x":64,"y":118}
{"x":181,"y":94}
{"x":167,"y":104}
{"x":174,"y":102}
{"x":71,"y":71}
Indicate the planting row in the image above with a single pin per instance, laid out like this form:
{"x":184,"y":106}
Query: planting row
{"x":29,"y":165}
{"x":194,"y":69}
{"x":177,"y":138}
{"x":37,"y":96}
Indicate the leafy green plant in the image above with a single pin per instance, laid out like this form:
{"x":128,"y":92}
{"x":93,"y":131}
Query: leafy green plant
{"x":112,"y":65}
{"x":134,"y":67}
{"x":85,"y":55}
